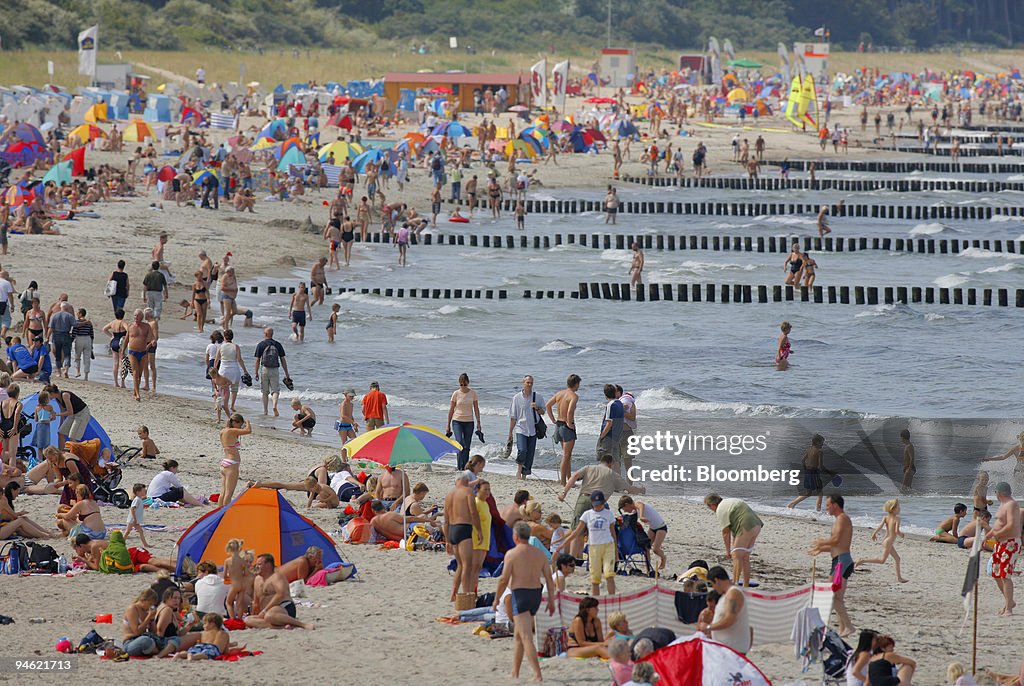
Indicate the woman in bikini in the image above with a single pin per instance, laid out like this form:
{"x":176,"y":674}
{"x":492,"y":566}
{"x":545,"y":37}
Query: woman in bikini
{"x":199,"y":300}
{"x":13,"y":522}
{"x":117,"y":329}
{"x":86,"y":514}
{"x":809,"y":265}
{"x":230,"y":439}
{"x":35,"y":322}
{"x":585,"y":633}
{"x":10,"y":413}
{"x":1016,"y":451}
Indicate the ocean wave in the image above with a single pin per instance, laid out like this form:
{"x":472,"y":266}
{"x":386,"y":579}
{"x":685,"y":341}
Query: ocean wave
{"x":988,"y":254}
{"x":375,"y":300}
{"x":1001,"y":268}
{"x":668,"y":398}
{"x":446,"y":310}
{"x":557,"y":345}
{"x":951,"y":280}
{"x":1001,"y":218}
{"x":617,"y":255}
{"x":416,"y":335}
{"x":933,"y":229}
{"x":934,"y":317}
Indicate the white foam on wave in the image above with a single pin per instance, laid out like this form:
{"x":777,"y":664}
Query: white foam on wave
{"x":876,"y":311}
{"x":417,"y":336}
{"x":457,"y":309}
{"x":617,"y":255}
{"x":981,"y":253}
{"x":696,"y":266}
{"x":1001,"y":268}
{"x":375,"y":300}
{"x":931,"y":229}
{"x":951,"y":280}
{"x":934,"y":317}
{"x":1000,"y":218}
{"x":667,"y":398}
{"x":557,"y":345}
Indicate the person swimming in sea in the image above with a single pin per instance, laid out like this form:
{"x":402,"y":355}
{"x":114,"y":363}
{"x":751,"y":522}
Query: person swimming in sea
{"x":785,"y":348}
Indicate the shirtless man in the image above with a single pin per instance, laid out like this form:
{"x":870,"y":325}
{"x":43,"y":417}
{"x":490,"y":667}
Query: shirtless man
{"x":526,"y":568}
{"x":435,"y":205}
{"x":471,"y":186}
{"x":813,"y":466}
{"x":138,"y":341}
{"x":387,"y":524}
{"x":205,"y":268}
{"x":318,"y":283}
{"x":461,"y":520}
{"x":823,"y":227}
{"x":838,"y":545}
{"x":332,"y":234}
{"x":227,"y":291}
{"x":303,"y":567}
{"x":512,"y":513}
{"x":346,"y":426}
{"x":393,"y":486}
{"x":909,"y":468}
{"x":158,"y":251}
{"x":272,"y":604}
{"x":363,"y":217}
{"x":565,"y":422}
{"x":636,"y":268}
{"x":611,"y":206}
{"x":1006,"y":530}
{"x":300,"y":305}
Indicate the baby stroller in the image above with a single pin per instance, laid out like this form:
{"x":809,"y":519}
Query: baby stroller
{"x":835,"y":653}
{"x":634,"y":547}
{"x":106,"y":472}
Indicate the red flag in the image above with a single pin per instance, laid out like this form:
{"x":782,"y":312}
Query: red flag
{"x":77,"y":158}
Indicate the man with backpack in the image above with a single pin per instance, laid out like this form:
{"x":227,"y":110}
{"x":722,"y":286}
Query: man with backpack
{"x":270,"y":358}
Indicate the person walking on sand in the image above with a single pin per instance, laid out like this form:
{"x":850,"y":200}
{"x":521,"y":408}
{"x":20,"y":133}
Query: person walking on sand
{"x":636,"y":267}
{"x":461,"y":523}
{"x":565,"y":422}
{"x":270,"y":358}
{"x":298,"y":308}
{"x":909,"y":466}
{"x":838,"y":545}
{"x":891,"y":523}
{"x":526,"y":573}
{"x":346,"y":425}
{"x":137,"y":342}
{"x":740,"y":528}
{"x":230,"y":440}
{"x":784,"y":348}
{"x":524,"y":412}
{"x":463,"y":409}
{"x":813,"y":465}
{"x":1006,"y":530}
{"x":155,"y":289}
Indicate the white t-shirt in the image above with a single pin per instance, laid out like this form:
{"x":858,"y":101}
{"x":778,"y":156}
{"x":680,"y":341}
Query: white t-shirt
{"x":654,"y":520}
{"x":6,"y":289}
{"x":211,"y":351}
{"x":339,"y":479}
{"x":499,"y":614}
{"x":138,"y":507}
{"x":557,"y":536}
{"x":628,"y":401}
{"x":163,"y":482}
{"x":525,"y":416}
{"x":599,"y":525}
{"x":211,"y":592}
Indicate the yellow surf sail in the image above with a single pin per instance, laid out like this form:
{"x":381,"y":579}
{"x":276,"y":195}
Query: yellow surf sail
{"x":793,"y":102}
{"x":809,"y":102}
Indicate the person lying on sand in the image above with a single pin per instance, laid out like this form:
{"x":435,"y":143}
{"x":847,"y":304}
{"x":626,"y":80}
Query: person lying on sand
{"x":89,"y":552}
{"x":317,"y":494}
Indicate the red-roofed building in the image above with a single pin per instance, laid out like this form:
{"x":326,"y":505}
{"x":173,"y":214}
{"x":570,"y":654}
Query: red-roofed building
{"x":461,"y":85}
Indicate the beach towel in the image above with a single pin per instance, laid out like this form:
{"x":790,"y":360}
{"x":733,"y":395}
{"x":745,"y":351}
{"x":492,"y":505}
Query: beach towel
{"x":116,"y":559}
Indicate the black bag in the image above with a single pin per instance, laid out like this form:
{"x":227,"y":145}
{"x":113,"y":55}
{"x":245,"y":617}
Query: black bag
{"x":19,"y":552}
{"x":540,"y":427}
{"x":42,"y":558}
{"x":24,"y":425}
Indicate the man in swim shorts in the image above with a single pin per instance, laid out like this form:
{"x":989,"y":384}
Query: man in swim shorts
{"x":317,"y":282}
{"x":525,"y":569}
{"x":838,"y":544}
{"x":272,"y":604}
{"x":565,"y":422}
{"x":298,"y":308}
{"x":1007,"y":533}
{"x":740,"y":528}
{"x":461,"y":518}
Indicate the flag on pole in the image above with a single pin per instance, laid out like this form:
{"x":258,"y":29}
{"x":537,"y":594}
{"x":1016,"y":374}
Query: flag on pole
{"x":538,"y":83}
{"x":973,"y":570}
{"x":87,"y":41}
{"x":819,"y":31}
{"x":560,"y":83}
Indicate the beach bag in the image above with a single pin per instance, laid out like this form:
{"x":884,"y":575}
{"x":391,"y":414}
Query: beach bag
{"x":111,"y":288}
{"x":837,"y":578}
{"x":358,"y":530}
{"x":15,"y":558}
{"x":42,"y":558}
{"x":555,"y":642}
{"x":540,"y":427}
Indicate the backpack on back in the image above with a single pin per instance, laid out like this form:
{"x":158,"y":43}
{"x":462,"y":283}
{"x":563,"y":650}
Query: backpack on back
{"x":271,"y":357}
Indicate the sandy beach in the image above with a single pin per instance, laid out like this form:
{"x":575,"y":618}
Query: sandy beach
{"x":381,"y":628}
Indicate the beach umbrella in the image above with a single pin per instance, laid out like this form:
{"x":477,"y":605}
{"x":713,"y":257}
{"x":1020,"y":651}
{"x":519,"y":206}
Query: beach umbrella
{"x":97,"y":112}
{"x":24,"y":154}
{"x":59,"y":173}
{"x":341,"y":150}
{"x":87,"y":132}
{"x":190,"y":115}
{"x":201,"y":175}
{"x":263,"y":143}
{"x":285,"y":146}
{"x":521,"y":148}
{"x":452,"y":129}
{"x":415,"y":136}
{"x":405,"y":145}
{"x":597,"y":135}
{"x":563,"y":126}
{"x":137,"y":131}
{"x":23,"y":132}
{"x":166,"y":173}
{"x":519,"y":108}
{"x":395,"y":445}
{"x":429,"y":145}
{"x":601,"y":101}
{"x":698,"y":661}
{"x":365,"y":158}
{"x":20,"y":192}
{"x":440,"y":90}
{"x":273,"y":128}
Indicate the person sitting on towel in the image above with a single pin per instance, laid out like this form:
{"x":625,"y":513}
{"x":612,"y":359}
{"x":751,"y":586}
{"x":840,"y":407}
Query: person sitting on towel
{"x":387,"y":525}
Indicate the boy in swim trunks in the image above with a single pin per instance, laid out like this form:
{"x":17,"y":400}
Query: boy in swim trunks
{"x":946,"y":532}
{"x":525,"y":567}
{"x":213,"y":642}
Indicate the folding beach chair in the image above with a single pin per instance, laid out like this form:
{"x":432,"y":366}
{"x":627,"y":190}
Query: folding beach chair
{"x":634,"y":547}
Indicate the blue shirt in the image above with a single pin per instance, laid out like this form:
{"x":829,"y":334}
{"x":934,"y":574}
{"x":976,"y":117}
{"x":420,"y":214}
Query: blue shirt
{"x":615,"y":414}
{"x":21,"y":356}
{"x":41,"y":357}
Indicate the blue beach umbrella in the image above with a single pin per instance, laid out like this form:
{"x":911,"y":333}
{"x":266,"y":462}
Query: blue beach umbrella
{"x":365,"y":158}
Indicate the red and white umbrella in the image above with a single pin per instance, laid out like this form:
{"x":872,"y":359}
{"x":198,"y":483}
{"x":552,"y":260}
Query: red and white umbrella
{"x":699,"y":661}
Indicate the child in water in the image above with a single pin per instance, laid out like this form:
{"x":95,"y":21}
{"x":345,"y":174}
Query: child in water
{"x":892,"y":530}
{"x":784,"y":349}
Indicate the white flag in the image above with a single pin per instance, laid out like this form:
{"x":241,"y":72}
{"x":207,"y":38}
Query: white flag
{"x":87,"y":41}
{"x":538,"y":83}
{"x":819,"y":31}
{"x":560,"y":83}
